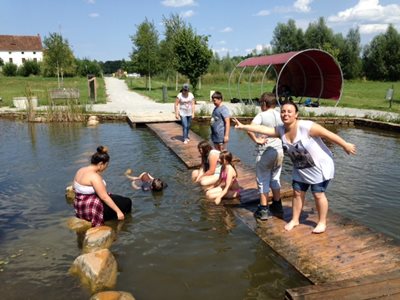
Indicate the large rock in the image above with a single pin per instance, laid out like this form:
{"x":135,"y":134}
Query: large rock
{"x":112,"y":295}
{"x":78,"y":225}
{"x":97,"y":238}
{"x":97,"y":270}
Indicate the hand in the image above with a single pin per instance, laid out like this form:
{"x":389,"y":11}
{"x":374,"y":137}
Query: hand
{"x":350,"y":148}
{"x":120,"y":215}
{"x":262,"y":140}
{"x":238,"y":125}
{"x":226,"y":139}
{"x":217,"y":200}
{"x":177,"y":117}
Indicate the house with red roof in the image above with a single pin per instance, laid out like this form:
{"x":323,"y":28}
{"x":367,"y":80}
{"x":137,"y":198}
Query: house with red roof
{"x":17,"y":49}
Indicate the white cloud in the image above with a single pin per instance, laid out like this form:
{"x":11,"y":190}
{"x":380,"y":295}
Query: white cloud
{"x":302,"y":5}
{"x":94,"y":15}
{"x":227,"y":29}
{"x":187,"y":14}
{"x":91,"y":1}
{"x":373,"y":28}
{"x":259,"y":48}
{"x":263,"y":13}
{"x":220,"y":51}
{"x":369,"y":12}
{"x":221,"y":42}
{"x":178,"y":3}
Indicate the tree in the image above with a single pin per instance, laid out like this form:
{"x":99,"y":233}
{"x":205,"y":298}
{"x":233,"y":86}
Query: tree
{"x":86,"y":66}
{"x":58,"y":58}
{"x":145,"y":54}
{"x":287,"y":37}
{"x":349,"y":56}
{"x":168,"y":60}
{"x":193,"y":54}
{"x":381,"y":58}
{"x":1,"y":62}
{"x":319,"y":36}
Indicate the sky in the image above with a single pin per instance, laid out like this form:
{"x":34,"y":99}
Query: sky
{"x":101,"y":29}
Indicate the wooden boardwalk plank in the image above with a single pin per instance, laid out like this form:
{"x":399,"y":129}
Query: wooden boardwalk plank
{"x":346,"y":252}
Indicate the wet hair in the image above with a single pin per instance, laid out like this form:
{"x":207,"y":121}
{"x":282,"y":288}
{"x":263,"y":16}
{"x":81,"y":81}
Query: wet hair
{"x":228,"y":157}
{"x":268,"y":99}
{"x":101,"y":155}
{"x":158,"y":185}
{"x":217,"y":95}
{"x":290,"y":102}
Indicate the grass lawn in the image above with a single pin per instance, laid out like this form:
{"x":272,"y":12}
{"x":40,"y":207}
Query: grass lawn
{"x":39,"y":86}
{"x":357,"y":94}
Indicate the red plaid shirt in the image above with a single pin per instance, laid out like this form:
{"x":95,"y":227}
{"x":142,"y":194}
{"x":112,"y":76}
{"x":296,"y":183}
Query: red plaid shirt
{"x":90,"y":208}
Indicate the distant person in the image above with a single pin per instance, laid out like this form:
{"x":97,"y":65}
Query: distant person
{"x":146,"y":182}
{"x":210,"y":168}
{"x":92,"y":202}
{"x":269,"y":159}
{"x":312,"y":160}
{"x":184,"y":110}
{"x":227,"y":185}
{"x":220,"y":122}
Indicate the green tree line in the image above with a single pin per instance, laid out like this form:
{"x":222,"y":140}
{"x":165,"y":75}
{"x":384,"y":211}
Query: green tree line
{"x":183,"y":51}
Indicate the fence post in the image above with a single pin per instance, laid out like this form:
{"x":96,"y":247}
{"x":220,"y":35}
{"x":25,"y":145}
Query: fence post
{"x":164,"y":93}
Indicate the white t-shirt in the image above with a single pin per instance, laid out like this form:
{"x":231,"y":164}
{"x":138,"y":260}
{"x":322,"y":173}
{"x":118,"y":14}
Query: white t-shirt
{"x":311,"y":158}
{"x":185,"y":104}
{"x":269,"y":118}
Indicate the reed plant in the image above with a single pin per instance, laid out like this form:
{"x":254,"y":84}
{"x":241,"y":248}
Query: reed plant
{"x":243,"y":110}
{"x":71,"y":112}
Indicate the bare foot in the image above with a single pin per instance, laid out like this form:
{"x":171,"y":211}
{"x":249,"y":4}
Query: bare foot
{"x":217,"y":201}
{"x":292,"y":224}
{"x":320,"y":228}
{"x":128,"y":172}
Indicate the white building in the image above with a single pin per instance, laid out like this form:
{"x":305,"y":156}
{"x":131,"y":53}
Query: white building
{"x":17,"y":49}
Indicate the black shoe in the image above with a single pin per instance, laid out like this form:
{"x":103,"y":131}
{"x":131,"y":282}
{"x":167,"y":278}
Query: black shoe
{"x":262,"y":213}
{"x":276,"y":208}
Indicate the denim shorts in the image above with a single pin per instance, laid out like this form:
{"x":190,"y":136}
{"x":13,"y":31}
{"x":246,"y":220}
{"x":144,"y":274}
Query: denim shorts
{"x":315,"y":188}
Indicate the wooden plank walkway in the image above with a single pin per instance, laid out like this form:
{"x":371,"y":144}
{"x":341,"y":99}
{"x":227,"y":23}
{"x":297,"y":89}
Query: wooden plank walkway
{"x":171,"y":135}
{"x":336,"y":261}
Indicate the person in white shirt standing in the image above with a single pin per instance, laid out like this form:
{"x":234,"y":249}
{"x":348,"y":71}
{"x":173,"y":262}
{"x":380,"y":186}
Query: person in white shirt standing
{"x":269,"y":159}
{"x":184,"y":110}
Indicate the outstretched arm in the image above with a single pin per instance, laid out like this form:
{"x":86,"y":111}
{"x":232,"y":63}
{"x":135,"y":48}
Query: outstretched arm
{"x":319,"y":131}
{"x":269,"y":131}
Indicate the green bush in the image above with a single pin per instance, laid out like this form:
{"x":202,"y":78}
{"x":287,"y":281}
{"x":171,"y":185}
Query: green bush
{"x":10,"y":69}
{"x":29,"y":67}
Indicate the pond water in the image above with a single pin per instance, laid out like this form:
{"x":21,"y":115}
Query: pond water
{"x":173,"y":245}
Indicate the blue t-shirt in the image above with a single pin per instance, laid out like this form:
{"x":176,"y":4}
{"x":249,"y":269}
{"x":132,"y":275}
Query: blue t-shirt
{"x":218,"y":123}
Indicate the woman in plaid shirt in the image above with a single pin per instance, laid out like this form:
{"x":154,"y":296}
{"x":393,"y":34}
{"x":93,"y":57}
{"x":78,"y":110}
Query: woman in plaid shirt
{"x":92,"y":202}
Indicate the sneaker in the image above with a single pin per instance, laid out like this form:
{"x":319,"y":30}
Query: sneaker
{"x":276,"y":208}
{"x":262,"y":213}
{"x":185,"y":142}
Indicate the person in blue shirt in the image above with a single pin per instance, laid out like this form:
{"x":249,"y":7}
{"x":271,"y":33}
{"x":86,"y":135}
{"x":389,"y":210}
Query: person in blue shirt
{"x":220,"y":122}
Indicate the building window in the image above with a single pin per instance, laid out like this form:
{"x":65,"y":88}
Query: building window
{"x":22,"y":52}
{"x":34,"y":52}
{"x":23,"y":60}
{"x":35,"y":59}
{"x":9,"y":52}
{"x":10,"y":60}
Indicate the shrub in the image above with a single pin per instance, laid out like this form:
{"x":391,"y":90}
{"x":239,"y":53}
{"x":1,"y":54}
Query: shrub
{"x":10,"y":69}
{"x":29,"y":67}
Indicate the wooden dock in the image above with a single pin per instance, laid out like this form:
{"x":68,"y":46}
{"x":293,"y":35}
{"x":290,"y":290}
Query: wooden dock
{"x":348,"y":259}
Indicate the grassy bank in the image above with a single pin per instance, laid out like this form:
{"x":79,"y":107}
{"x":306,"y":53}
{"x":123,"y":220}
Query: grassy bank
{"x":356,"y":94}
{"x":39,"y":86}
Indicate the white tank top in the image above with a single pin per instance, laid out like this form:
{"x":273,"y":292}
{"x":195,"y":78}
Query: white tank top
{"x":84,"y":189}
{"x":311,"y":158}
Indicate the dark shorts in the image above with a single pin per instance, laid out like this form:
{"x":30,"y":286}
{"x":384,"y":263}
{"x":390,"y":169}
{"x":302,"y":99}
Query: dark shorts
{"x":315,"y":188}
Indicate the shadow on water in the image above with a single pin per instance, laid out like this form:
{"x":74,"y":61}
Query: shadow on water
{"x":174,"y":245}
